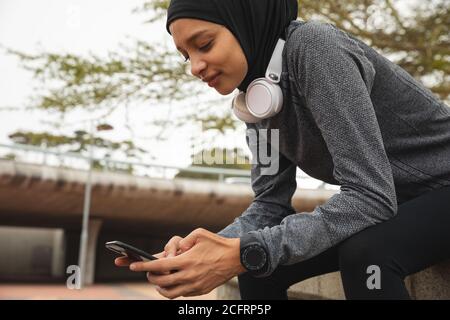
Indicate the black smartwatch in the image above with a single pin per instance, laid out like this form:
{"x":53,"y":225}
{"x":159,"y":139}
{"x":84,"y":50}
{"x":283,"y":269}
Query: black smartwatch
{"x":253,"y":255}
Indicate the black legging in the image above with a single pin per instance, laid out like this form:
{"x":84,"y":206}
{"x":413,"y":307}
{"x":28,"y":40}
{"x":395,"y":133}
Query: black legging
{"x":416,"y":238}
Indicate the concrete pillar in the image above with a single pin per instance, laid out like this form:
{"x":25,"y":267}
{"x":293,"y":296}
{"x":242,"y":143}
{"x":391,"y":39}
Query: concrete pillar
{"x":58,"y":254}
{"x":93,"y":232}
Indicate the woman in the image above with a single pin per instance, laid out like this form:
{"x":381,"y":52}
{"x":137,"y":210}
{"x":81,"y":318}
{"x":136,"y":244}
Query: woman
{"x":351,"y":118}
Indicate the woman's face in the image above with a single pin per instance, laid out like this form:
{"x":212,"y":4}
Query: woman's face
{"x":213,"y":50}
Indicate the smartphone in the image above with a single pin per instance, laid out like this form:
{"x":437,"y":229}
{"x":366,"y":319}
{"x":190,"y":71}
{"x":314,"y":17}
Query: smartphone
{"x":131,"y":252}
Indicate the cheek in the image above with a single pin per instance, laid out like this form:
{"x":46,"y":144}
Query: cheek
{"x":231,"y":66}
{"x":225,"y":57}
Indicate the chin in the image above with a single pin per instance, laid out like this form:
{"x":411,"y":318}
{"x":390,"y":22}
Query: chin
{"x":224,"y":90}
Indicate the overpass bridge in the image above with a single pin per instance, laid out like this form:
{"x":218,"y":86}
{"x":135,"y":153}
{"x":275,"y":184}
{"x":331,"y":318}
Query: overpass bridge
{"x":147,"y":209}
{"x":46,"y":196}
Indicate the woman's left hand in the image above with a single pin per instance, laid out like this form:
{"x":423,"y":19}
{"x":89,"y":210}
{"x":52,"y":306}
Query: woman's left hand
{"x":211,"y":261}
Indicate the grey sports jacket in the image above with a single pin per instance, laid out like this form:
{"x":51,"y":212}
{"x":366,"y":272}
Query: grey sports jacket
{"x":351,"y":118}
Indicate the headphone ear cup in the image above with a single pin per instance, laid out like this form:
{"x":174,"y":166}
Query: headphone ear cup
{"x":264,"y":99}
{"x":240,"y":109}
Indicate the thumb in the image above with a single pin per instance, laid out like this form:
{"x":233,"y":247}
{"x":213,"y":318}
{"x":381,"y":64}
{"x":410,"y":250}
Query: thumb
{"x":191,"y":239}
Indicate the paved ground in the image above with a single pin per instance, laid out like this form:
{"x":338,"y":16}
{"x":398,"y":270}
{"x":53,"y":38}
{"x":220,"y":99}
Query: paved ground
{"x":117,"y":291}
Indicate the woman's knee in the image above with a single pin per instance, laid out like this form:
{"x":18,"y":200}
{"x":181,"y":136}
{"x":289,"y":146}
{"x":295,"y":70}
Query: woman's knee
{"x":361,"y":252}
{"x":370,"y":269}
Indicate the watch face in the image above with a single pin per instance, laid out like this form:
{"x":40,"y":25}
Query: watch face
{"x":254,"y":257}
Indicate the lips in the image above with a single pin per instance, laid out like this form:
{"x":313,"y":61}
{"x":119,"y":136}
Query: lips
{"x":212,"y":78}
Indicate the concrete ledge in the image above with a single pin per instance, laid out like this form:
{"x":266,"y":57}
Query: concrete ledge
{"x":430,"y":284}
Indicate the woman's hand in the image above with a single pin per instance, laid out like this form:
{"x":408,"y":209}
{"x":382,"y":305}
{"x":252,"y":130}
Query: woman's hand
{"x":205,"y":261}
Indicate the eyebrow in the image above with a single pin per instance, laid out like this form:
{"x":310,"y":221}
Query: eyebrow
{"x":193,"y":37}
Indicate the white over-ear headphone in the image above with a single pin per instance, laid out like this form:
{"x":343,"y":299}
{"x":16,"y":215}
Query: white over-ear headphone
{"x":264,"y":97}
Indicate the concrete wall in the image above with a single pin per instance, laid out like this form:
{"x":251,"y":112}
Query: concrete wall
{"x":31,"y":253}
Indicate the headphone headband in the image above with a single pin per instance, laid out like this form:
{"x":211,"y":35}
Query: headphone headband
{"x":273,"y":72}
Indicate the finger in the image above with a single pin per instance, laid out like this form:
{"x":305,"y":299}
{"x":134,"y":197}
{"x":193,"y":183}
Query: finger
{"x":177,"y":291}
{"x":160,"y":255}
{"x":122,"y":262}
{"x":172,"y":247}
{"x":159,"y":273}
{"x":195,"y":293}
{"x":189,"y":241}
{"x":160,"y":265}
{"x":170,"y":280}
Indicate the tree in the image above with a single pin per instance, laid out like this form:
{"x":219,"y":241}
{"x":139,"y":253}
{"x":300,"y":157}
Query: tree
{"x":419,"y":43}
{"x":79,"y":143}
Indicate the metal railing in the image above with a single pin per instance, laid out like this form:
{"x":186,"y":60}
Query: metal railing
{"x":43,"y":156}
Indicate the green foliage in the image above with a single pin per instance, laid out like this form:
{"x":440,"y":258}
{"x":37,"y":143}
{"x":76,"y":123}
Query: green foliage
{"x":420,"y":42}
{"x":9,"y":156}
{"x":144,"y":73}
{"x":80,"y":142}
{"x":235,"y":157}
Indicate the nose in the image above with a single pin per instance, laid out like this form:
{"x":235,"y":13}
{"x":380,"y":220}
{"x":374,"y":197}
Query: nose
{"x":198,"y":68}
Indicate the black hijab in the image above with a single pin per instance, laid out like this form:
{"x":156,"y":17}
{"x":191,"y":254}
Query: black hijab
{"x":256,"y":24}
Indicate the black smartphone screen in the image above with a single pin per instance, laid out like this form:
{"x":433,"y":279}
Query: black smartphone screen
{"x":131,"y":252}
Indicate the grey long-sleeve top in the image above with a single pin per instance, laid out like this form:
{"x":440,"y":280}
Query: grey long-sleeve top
{"x":351,"y":118}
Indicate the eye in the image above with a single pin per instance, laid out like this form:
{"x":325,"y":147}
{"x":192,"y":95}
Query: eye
{"x":206,"y":47}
